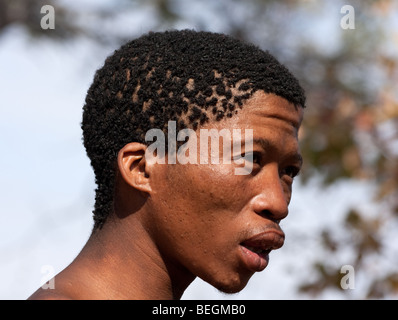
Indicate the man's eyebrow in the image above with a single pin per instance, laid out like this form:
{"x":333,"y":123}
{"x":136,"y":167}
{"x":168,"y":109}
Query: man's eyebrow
{"x":266,"y":145}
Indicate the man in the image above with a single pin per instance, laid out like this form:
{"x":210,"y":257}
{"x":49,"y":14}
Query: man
{"x":159,"y":222}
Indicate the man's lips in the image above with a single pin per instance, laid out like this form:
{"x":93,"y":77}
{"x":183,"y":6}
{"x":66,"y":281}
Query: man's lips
{"x":255,"y":249}
{"x":269,"y":239}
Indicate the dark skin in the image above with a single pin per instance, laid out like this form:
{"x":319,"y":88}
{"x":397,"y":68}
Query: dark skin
{"x":174,"y":222}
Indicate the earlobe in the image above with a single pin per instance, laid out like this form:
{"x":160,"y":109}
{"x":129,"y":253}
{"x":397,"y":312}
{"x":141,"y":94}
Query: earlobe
{"x":133,"y":166}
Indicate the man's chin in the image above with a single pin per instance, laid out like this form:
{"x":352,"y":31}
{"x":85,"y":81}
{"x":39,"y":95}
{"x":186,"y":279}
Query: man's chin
{"x":231,"y":285}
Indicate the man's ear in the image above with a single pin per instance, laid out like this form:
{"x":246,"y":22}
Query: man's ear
{"x":133,"y":166}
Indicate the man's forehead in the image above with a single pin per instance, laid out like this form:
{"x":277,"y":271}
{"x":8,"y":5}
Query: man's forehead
{"x":272,"y":106}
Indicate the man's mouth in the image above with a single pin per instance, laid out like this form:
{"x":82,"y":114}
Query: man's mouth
{"x":255,"y":250}
{"x":259,"y":250}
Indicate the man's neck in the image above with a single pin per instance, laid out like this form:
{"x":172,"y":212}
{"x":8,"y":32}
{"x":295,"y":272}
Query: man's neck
{"x":120,"y":263}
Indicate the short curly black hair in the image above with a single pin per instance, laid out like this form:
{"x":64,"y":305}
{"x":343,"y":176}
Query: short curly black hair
{"x":184,"y":76}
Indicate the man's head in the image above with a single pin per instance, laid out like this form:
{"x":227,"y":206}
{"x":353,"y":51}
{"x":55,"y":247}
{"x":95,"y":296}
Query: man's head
{"x":187,"y":76}
{"x":217,"y":225}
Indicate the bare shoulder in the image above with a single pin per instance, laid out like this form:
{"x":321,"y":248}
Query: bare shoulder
{"x":48,"y":294}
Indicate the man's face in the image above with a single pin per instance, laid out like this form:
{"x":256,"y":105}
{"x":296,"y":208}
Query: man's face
{"x":220,"y":226}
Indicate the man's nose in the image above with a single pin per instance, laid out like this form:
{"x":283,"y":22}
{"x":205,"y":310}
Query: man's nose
{"x":272,"y":202}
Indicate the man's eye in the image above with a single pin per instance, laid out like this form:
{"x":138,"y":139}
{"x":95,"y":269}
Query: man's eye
{"x":256,"y":158}
{"x":253,"y":157}
{"x":291,"y":171}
